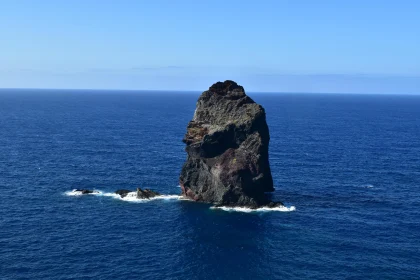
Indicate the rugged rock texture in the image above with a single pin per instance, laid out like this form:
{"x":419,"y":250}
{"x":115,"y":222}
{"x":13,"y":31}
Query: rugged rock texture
{"x":140,"y":194}
{"x":123,"y":193}
{"x":146,"y":193}
{"x":227,"y":147}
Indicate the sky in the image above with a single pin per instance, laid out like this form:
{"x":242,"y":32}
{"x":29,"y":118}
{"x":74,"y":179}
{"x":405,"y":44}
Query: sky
{"x":358,"y":46}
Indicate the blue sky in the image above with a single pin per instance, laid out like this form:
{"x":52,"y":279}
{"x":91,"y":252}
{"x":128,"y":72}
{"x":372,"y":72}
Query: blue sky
{"x":282,"y":46}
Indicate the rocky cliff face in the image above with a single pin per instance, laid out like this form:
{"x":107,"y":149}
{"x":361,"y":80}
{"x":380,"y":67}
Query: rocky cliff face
{"x":227,"y":146}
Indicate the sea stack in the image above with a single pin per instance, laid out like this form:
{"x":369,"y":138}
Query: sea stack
{"x":227,"y":150}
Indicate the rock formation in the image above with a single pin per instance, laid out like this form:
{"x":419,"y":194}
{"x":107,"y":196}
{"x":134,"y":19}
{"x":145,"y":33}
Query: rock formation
{"x":85,"y":191}
{"x":140,"y":194}
{"x":146,"y":193}
{"x":227,"y":150}
{"x":123,"y":193}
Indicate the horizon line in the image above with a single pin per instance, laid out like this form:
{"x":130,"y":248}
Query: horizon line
{"x":200,"y":91}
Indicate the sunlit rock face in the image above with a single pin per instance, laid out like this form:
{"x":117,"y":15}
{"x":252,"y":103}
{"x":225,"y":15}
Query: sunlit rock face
{"x":227,"y":150}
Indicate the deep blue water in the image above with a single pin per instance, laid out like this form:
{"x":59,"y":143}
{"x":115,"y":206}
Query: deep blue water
{"x":349,"y":163}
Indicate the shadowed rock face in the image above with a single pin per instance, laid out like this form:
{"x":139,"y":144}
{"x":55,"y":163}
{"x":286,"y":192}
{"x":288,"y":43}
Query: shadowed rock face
{"x":85,"y":191}
{"x":227,"y":146}
{"x":123,"y":193}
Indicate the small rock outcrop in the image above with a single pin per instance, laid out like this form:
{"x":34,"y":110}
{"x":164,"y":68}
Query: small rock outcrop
{"x":227,"y":150}
{"x":146,"y":193}
{"x":85,"y":191}
{"x":140,"y":194}
{"x":123,"y":193}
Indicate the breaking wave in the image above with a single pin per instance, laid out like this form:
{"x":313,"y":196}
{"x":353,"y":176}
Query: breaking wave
{"x":130,"y":197}
{"x":249,"y":210}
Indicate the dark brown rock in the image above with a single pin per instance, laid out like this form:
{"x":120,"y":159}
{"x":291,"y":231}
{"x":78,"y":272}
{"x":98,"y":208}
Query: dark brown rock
{"x":146,"y":193}
{"x":123,"y":193}
{"x":227,"y":149}
{"x":140,"y":194}
{"x":85,"y":191}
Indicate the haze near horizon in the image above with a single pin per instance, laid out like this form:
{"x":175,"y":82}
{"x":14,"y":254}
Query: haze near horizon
{"x":276,"y":46}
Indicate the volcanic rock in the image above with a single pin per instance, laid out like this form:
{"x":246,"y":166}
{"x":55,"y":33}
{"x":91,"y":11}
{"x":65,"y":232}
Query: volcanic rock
{"x":140,"y":194}
{"x":227,"y":150}
{"x":85,"y":191}
{"x":123,"y":193}
{"x":146,"y":193}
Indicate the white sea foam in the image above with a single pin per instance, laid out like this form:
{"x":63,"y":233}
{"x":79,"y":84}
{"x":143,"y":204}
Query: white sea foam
{"x":249,"y":210}
{"x":167,"y":197}
{"x":130,"y":197}
{"x":114,"y":195}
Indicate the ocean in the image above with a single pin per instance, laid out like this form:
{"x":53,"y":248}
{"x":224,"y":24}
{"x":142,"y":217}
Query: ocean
{"x":348,"y":164}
